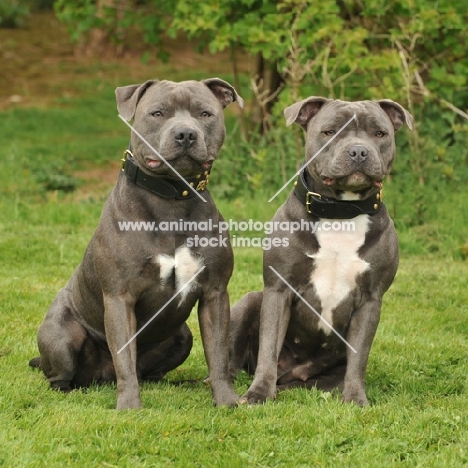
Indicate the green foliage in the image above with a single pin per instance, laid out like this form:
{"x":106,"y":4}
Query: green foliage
{"x":40,"y":5}
{"x":408,"y":52}
{"x":13,"y":13}
{"x":80,"y":16}
{"x":56,"y":178}
{"x":426,"y":193}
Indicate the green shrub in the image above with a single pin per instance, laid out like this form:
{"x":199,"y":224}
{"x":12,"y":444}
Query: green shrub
{"x":13,"y":13}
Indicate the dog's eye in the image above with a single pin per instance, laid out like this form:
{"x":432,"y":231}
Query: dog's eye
{"x":329,"y":132}
{"x":380,"y":134}
{"x":157,"y":114}
{"x":206,"y":114}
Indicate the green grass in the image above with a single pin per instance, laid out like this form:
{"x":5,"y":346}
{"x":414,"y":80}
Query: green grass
{"x":417,"y":385}
{"x":417,"y":375}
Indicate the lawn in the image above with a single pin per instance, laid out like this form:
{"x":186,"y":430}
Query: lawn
{"x":417,"y":374}
{"x":417,"y":381}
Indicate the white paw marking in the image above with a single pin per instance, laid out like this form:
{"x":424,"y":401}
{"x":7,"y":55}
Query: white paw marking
{"x":337,"y":266}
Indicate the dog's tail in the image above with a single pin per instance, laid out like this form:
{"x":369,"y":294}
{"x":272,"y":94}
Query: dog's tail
{"x":35,"y":362}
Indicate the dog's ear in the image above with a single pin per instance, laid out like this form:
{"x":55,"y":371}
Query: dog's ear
{"x":301,"y":112}
{"x":128,"y":96}
{"x":224,"y":92}
{"x":397,"y":114}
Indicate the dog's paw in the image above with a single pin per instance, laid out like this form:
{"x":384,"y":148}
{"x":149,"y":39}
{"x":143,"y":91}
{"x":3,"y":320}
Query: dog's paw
{"x":128,"y":401}
{"x":62,"y":386}
{"x":224,"y":394}
{"x":255,"y":398}
{"x":35,"y":362}
{"x":358,"y":398}
{"x":229,"y":402}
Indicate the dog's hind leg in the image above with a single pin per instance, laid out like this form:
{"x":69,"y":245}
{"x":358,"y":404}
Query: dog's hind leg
{"x":328,"y":381}
{"x":244,"y":333}
{"x":60,"y":339}
{"x":157,"y":360}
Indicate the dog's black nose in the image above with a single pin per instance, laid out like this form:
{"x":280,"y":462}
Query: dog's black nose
{"x":358,"y":153}
{"x":185,"y":136}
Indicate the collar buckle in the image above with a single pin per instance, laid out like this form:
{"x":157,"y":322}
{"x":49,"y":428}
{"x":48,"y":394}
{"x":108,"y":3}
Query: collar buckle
{"x":308,"y":202}
{"x":124,"y":158}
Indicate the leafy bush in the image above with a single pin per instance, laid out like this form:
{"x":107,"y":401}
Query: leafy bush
{"x":13,"y":13}
{"x":411,"y":52}
{"x":408,"y":52}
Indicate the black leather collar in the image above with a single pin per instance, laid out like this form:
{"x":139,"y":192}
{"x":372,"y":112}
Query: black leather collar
{"x":166,"y":188}
{"x":331,"y":208}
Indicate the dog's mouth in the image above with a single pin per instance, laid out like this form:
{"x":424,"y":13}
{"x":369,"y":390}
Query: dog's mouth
{"x":155,"y":164}
{"x":353,"y":182}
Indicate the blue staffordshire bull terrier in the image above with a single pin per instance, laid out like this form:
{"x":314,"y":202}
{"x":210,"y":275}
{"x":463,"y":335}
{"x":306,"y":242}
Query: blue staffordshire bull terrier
{"x":314,"y":322}
{"x":127,"y":277}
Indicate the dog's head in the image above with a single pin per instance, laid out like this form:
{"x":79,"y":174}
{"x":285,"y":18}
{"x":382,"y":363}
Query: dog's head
{"x":352,"y":144}
{"x":183,"y":122}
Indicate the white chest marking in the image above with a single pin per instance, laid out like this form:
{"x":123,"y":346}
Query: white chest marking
{"x":184,"y":265}
{"x":337,"y":265}
{"x":350,"y":195}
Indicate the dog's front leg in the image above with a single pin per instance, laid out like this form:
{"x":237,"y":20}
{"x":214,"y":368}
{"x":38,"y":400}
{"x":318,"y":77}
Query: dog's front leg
{"x":274,"y":320}
{"x":120,"y":325}
{"x":360,"y":335}
{"x":213,"y":315}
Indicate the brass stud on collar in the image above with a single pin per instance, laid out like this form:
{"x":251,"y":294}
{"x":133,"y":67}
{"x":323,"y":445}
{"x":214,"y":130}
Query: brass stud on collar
{"x":378,"y":196}
{"x":376,"y":206}
{"x":198,"y":176}
{"x":184,"y":193}
{"x":206,"y":173}
{"x":295,"y":183}
{"x":191,"y":184}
